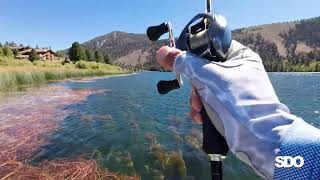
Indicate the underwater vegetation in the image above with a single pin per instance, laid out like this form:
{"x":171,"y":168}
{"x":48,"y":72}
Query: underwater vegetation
{"x":170,"y":163}
{"x":26,"y":123}
{"x":176,"y":135}
{"x":194,"y":138}
{"x":121,"y":161}
{"x":175,"y":120}
{"x":87,"y":117}
{"x":60,"y":169}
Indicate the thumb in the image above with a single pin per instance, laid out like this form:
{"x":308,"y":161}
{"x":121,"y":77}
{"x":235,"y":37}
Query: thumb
{"x":166,"y":56}
{"x":186,"y":64}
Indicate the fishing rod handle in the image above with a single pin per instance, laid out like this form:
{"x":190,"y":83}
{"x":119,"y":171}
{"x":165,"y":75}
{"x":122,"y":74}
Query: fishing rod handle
{"x":216,"y":170}
{"x":214,"y":144}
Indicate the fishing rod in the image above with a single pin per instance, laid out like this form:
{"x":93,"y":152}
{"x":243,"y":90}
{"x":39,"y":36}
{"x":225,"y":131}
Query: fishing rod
{"x":197,"y":37}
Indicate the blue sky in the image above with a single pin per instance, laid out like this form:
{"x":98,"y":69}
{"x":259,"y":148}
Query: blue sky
{"x":58,"y":23}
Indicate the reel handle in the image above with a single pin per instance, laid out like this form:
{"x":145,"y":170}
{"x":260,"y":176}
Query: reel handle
{"x":155,"y":32}
{"x":164,"y":87}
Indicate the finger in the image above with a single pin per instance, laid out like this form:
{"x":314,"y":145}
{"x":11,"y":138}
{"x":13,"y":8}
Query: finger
{"x":196,"y":117}
{"x":195,"y":100}
{"x":166,"y":56}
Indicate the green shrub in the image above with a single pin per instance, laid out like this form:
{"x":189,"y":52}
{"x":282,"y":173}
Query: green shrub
{"x":87,"y":65}
{"x":1,"y":52}
{"x":48,"y":63}
{"x":8,"y":52}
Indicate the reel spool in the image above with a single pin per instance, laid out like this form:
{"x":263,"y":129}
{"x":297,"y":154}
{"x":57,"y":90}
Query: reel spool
{"x":207,"y":36}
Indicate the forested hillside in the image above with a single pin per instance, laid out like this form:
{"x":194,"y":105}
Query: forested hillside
{"x":292,"y":46}
{"x":289,"y":46}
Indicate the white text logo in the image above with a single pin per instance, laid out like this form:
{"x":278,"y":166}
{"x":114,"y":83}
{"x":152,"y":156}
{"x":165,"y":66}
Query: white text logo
{"x":288,"y":161}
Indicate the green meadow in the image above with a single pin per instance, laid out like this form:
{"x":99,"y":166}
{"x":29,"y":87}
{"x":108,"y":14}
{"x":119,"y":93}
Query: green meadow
{"x":16,"y":73}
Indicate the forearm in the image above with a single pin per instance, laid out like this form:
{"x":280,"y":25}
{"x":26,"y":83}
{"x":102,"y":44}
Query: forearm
{"x":255,"y":124}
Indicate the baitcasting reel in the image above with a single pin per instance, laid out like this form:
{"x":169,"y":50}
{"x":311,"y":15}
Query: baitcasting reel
{"x":206,"y":35}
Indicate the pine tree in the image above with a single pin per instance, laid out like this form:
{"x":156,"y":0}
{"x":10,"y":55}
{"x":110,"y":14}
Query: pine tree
{"x":34,"y":55}
{"x":1,"y":52}
{"x":98,"y":56}
{"x":317,"y":68}
{"x":76,"y":52}
{"x":60,"y":54}
{"x":89,"y":55}
{"x":15,"y":52}
{"x":107,"y":59}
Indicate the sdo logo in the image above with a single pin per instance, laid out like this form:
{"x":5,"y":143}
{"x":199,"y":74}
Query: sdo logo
{"x":288,"y":161}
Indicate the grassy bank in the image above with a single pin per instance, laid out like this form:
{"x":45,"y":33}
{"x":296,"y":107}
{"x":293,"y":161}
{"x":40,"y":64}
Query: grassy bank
{"x":16,"y":73}
{"x":312,"y":67}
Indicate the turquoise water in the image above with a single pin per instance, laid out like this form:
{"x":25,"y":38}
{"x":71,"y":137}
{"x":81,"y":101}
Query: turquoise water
{"x":115,"y":127}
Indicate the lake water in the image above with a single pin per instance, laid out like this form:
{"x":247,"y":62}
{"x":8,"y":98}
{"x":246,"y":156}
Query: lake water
{"x":131,"y":129}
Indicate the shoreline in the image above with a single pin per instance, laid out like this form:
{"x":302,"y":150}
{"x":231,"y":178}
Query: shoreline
{"x":295,"y":72}
{"x":91,"y":78}
{"x":15,"y":81}
{"x":267,"y":72}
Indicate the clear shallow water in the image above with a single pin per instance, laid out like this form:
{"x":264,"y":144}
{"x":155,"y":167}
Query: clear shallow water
{"x":112,"y":127}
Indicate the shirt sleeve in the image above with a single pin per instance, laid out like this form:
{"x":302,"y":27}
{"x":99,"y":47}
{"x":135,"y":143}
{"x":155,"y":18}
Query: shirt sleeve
{"x":303,"y":140}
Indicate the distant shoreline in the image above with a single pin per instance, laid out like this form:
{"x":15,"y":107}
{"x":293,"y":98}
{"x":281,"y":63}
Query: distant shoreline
{"x":16,"y":74}
{"x":297,"y":72}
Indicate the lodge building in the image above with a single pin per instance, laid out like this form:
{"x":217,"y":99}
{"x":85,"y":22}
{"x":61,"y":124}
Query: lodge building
{"x":43,"y":53}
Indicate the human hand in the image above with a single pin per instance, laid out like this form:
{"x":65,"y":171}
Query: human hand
{"x":241,"y":98}
{"x":165,"y":57}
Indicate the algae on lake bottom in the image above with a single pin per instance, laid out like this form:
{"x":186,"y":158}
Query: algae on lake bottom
{"x":25,"y":124}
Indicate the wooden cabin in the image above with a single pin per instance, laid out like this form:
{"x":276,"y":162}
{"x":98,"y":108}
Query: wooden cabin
{"x":44,"y":53}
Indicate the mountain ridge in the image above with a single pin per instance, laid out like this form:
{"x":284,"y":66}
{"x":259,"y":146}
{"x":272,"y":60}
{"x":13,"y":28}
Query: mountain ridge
{"x":276,"y":43}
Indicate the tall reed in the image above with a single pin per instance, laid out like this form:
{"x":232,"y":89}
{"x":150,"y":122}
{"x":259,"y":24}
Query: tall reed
{"x":16,"y":73}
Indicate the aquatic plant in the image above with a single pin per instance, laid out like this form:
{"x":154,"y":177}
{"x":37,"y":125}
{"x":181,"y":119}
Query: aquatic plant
{"x":171,"y":162}
{"x":175,"y":164}
{"x":154,"y":173}
{"x":88,"y":117}
{"x":121,"y":162}
{"x":152,"y":139}
{"x":159,"y":152}
{"x":194,"y":138}
{"x":175,"y":120}
{"x":24,"y":129}
{"x":133,"y":124}
{"x":176,"y":135}
{"x":60,"y":169}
